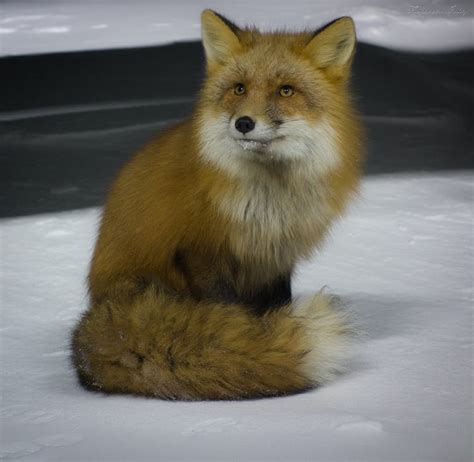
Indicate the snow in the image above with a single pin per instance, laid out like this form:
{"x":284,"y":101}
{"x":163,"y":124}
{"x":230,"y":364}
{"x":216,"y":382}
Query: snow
{"x":45,"y":26}
{"x":402,"y":263}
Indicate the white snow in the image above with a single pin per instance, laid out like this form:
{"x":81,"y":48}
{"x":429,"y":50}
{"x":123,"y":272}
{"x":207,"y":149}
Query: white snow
{"x":44,"y":26}
{"x":402,"y":263}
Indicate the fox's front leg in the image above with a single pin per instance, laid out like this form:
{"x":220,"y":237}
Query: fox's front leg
{"x":214,"y":278}
{"x":207,"y":276}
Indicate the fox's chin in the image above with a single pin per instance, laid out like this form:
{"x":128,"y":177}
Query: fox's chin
{"x":261,"y":151}
{"x":253,"y":145}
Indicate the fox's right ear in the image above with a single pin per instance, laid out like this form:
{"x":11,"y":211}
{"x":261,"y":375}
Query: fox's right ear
{"x":218,"y":37}
{"x":332,"y":48}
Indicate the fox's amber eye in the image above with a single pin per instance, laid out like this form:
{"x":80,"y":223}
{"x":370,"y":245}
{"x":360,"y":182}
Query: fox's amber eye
{"x":239,"y":89}
{"x":286,"y":90}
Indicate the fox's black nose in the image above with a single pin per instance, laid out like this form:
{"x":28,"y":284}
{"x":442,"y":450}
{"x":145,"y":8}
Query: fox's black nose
{"x":244,"y":124}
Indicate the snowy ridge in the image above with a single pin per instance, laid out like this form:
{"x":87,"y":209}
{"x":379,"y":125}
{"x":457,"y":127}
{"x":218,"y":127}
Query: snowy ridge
{"x":44,"y":26}
{"x":402,"y":264}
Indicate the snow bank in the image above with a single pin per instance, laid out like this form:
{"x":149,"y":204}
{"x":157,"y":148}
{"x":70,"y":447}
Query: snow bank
{"x":45,"y":26}
{"x":402,"y":263}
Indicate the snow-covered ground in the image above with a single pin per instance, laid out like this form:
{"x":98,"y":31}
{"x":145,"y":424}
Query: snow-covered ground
{"x":44,"y":26}
{"x":402,"y":262}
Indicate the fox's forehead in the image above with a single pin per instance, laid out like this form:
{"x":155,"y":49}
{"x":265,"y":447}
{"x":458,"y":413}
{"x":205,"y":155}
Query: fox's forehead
{"x":252,"y":38}
{"x":269,"y":61}
{"x":273,"y":55}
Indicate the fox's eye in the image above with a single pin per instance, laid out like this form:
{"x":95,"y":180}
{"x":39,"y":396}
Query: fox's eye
{"x":239,"y":89}
{"x":286,"y":90}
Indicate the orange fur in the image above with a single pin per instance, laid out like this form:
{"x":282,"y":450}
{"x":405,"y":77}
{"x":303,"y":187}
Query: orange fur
{"x":204,"y":220}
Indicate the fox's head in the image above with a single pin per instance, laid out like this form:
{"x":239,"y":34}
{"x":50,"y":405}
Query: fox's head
{"x":275,"y":97}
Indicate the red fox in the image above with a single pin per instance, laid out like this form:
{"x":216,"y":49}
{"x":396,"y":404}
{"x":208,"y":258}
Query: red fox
{"x":190,"y":294}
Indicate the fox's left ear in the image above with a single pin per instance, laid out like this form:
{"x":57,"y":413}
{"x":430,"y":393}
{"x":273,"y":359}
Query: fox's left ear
{"x":332,"y":48}
{"x":219,"y":37}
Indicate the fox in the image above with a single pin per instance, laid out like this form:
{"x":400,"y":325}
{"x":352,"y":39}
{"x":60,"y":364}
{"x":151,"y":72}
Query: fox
{"x":190,"y":279}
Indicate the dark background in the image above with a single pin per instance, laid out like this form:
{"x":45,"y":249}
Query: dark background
{"x":69,"y":120}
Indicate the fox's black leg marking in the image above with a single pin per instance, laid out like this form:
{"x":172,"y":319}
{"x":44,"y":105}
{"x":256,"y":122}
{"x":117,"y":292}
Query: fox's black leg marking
{"x":271,"y":296}
{"x":224,"y":291}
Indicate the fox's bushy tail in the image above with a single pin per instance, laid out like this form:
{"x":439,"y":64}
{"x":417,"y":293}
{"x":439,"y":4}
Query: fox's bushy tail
{"x":161,"y":346}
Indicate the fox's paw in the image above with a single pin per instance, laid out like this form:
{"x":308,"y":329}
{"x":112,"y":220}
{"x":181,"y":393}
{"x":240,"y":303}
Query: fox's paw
{"x":329,"y":336}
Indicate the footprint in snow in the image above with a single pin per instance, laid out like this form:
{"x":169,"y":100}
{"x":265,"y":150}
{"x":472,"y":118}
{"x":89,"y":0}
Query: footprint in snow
{"x":40,"y":416}
{"x":211,"y":426}
{"x":361,"y":426}
{"x":58,"y":233}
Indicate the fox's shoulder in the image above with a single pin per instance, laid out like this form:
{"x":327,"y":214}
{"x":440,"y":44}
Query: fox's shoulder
{"x":154,"y":173}
{"x":166,"y":143}
{"x":169,"y":150}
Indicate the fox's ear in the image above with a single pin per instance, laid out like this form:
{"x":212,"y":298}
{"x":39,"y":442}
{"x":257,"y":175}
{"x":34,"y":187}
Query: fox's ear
{"x":218,"y":37}
{"x":333,"y":46}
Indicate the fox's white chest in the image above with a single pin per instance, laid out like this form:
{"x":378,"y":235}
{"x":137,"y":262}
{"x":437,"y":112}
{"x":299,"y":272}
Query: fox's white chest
{"x":274,"y":223}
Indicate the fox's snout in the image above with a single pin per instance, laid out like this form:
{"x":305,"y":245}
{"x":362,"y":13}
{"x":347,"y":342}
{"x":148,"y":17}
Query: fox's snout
{"x":244,"y":124}
{"x":251,"y":127}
